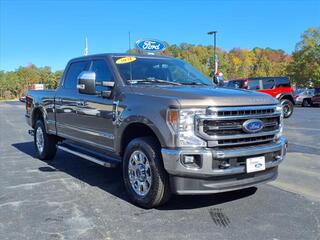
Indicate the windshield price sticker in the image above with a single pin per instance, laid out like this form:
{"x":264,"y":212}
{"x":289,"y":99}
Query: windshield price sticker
{"x":125,"y":60}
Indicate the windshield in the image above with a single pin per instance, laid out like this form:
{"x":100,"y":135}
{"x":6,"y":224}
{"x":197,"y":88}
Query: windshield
{"x":145,"y":70}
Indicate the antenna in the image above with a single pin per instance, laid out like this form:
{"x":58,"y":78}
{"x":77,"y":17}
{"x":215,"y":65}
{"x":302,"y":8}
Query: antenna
{"x":86,"y":49}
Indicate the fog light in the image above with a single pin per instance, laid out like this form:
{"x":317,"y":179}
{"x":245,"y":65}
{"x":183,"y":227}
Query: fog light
{"x":188,"y":159}
{"x":192,"y":161}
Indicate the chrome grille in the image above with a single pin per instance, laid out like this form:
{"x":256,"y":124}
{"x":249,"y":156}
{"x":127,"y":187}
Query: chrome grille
{"x":224,"y":126}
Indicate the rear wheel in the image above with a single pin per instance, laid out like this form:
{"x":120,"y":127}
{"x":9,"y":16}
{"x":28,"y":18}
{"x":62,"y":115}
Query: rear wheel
{"x":145,"y":179}
{"x":45,"y":144}
{"x":305,"y":103}
{"x":287,"y":107}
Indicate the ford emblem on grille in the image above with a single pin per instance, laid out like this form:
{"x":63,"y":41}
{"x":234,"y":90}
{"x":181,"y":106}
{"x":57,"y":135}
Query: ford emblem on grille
{"x":252,"y":125}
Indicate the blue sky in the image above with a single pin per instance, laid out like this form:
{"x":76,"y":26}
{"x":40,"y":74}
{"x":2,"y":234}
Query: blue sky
{"x":49,"y":33}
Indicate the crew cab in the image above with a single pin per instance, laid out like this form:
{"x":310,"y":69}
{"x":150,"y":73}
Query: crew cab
{"x":169,"y":128}
{"x":277,"y":87}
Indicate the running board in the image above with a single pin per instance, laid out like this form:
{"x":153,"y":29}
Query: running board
{"x":103,"y":161}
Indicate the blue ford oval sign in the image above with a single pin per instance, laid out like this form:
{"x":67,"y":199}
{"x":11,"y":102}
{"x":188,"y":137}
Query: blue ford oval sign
{"x":252,"y":125}
{"x":150,"y":45}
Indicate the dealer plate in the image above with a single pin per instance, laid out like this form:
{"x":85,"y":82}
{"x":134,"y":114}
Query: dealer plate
{"x":256,"y":164}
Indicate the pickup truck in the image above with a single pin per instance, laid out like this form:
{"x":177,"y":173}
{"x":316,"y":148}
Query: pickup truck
{"x":170,"y":128}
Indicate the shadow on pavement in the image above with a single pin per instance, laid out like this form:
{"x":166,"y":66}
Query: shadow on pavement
{"x":110,"y":180}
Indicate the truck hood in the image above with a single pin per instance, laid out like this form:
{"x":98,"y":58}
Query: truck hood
{"x":202,"y":96}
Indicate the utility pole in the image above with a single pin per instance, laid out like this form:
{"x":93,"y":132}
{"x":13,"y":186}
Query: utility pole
{"x":86,"y":49}
{"x":129,"y":41}
{"x":214,"y":33}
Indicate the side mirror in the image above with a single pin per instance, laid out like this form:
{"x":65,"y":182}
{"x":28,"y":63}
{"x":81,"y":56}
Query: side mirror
{"x":87,"y":83}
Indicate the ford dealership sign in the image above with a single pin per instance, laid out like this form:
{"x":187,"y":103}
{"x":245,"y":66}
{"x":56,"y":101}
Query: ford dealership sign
{"x":150,"y":45}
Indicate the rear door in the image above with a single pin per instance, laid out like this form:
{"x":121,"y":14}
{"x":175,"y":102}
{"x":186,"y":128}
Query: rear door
{"x":67,"y":101}
{"x":94,"y":116}
{"x":268,"y":86}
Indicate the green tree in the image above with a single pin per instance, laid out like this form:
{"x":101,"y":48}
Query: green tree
{"x":305,"y":67}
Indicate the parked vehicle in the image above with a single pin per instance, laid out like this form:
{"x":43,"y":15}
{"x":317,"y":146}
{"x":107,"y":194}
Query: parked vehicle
{"x":303,"y":97}
{"x":169,"y":128}
{"x":315,"y":100}
{"x":277,"y":87}
{"x":22,"y":99}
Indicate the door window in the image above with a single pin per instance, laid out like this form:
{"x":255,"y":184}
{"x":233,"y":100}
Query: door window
{"x":254,"y":84}
{"x":283,"y":82}
{"x":75,"y":68}
{"x":103,"y":73}
{"x":268,"y":84}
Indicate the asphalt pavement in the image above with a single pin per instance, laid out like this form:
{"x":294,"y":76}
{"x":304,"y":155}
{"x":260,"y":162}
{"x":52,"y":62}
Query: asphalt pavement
{"x":71,"y":198}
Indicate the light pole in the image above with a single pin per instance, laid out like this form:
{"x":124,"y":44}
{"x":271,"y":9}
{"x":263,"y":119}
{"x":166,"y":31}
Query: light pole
{"x":214,"y":33}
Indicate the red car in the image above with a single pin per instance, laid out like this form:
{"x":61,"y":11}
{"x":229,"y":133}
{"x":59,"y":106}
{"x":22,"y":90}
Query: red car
{"x":278,"y":87}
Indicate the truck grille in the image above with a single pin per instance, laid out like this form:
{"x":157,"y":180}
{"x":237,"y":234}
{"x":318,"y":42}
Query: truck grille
{"x":224,"y":126}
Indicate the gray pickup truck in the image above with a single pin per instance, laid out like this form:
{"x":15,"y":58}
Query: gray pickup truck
{"x":168,"y":126}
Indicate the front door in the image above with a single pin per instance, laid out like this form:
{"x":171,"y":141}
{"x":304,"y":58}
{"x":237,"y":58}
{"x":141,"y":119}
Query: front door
{"x":67,"y":101}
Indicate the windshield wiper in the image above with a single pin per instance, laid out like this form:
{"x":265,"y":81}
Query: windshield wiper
{"x":153,"y":80}
{"x":195,"y":83}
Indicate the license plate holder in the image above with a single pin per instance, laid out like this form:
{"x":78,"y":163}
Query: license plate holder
{"x":255,"y":164}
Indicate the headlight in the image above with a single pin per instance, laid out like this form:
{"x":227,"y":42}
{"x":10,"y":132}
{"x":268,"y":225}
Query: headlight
{"x":182,"y":124}
{"x":279,"y":109}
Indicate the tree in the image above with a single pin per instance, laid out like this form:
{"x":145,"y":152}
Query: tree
{"x":305,"y":67}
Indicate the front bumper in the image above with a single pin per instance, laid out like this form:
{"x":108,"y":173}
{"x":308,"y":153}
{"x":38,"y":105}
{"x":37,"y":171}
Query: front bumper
{"x":211,"y":178}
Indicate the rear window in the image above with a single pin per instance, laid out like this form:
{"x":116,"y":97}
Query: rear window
{"x":254,"y":84}
{"x":282,"y":82}
{"x":235,"y":84}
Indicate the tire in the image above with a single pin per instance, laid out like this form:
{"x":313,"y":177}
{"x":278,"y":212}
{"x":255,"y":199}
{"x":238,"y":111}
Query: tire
{"x":305,"y":103}
{"x":46,"y":148}
{"x":287,"y":108}
{"x":155,"y":189}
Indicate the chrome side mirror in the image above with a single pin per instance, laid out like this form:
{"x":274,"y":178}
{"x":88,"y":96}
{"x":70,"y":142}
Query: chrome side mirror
{"x":87,"y":83}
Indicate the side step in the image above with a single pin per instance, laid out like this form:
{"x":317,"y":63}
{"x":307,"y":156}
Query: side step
{"x":89,"y":155}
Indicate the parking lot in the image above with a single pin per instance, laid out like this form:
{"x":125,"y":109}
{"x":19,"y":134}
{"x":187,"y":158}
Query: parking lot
{"x":71,"y":198}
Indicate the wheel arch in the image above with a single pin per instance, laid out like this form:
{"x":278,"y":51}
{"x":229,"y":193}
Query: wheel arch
{"x":135,"y":130}
{"x":287,"y":96}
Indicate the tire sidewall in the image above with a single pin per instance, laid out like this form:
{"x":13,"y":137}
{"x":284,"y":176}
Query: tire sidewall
{"x":290,"y":105}
{"x":151,"y":154}
{"x":304,"y":103}
{"x":39,"y":124}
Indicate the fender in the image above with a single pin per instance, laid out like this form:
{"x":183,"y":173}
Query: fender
{"x":44,"y":115}
{"x":288,"y":95}
{"x":132,"y":120}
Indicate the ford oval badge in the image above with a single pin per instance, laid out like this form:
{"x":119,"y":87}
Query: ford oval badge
{"x":150,"y":45}
{"x":252,"y":125}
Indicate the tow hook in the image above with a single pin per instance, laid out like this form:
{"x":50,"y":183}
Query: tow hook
{"x":224,"y":165}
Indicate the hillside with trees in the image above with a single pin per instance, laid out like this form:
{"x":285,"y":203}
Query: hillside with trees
{"x":302,"y":66}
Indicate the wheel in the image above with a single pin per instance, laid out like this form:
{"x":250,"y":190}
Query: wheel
{"x":287,"y":106}
{"x":45,"y":144}
{"x":145,"y":179}
{"x":305,"y":103}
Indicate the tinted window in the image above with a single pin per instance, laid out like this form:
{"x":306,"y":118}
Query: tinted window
{"x":254,"y":84}
{"x":102,"y":71}
{"x":74,"y":70}
{"x":235,"y":84}
{"x":268,"y":83}
{"x":283,"y":82}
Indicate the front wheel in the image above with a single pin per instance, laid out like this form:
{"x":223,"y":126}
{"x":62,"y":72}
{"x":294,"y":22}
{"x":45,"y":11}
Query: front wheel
{"x":287,"y":107}
{"x":145,"y":179}
{"x":305,"y":103}
{"x":45,"y":144}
